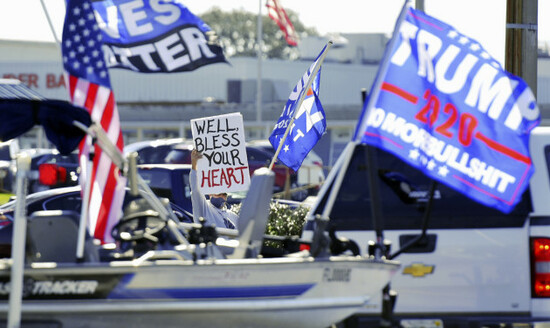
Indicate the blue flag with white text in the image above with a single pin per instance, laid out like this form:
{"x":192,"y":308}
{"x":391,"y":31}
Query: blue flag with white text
{"x":309,"y":124}
{"x":446,"y":107}
{"x":155,"y":36}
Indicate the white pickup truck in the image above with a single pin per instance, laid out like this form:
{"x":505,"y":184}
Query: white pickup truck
{"x":475,"y":267}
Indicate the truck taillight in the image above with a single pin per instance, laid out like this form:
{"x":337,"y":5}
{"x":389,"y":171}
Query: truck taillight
{"x":51,"y":174}
{"x":305,"y":247}
{"x":540,"y":266}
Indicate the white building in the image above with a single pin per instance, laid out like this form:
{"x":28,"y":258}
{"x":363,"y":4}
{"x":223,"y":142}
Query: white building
{"x":161,"y":105}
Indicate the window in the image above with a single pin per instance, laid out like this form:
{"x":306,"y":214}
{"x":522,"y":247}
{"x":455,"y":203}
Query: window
{"x":258,"y":156}
{"x":179,"y":156}
{"x":160,"y":181}
{"x":153,"y":155}
{"x":403,"y":192}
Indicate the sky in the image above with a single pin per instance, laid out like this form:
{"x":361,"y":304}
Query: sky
{"x":482,"y":20}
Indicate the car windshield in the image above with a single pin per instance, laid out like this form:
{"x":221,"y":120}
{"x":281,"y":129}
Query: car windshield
{"x":70,"y":199}
{"x":154,"y":155}
{"x":258,"y":156}
{"x":179,"y":156}
{"x":159,"y":181}
{"x":31,"y":198}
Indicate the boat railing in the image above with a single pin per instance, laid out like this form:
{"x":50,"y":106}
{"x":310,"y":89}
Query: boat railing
{"x":156,"y":255}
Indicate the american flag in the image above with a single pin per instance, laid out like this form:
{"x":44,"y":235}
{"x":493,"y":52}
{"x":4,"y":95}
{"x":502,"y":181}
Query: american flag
{"x":278,"y":14}
{"x":89,"y":87}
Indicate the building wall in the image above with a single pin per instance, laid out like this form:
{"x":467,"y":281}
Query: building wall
{"x":341,"y":83}
{"x":349,"y":48}
{"x":156,"y":105}
{"x":38,"y":64}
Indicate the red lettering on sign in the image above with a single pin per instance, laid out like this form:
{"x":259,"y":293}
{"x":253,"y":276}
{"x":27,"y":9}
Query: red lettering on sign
{"x":31,"y":80}
{"x":52,"y":82}
{"x":226,"y":177}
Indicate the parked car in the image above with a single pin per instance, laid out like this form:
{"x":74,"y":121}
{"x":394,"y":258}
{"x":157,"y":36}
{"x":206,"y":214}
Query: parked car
{"x":178,"y":151}
{"x":65,"y":198}
{"x":153,"y":151}
{"x":311,"y":173}
{"x":69,"y":198}
{"x":170,"y":181}
{"x":257,"y":158}
{"x":49,"y":169}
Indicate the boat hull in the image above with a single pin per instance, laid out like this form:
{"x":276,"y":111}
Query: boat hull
{"x":282,"y":292}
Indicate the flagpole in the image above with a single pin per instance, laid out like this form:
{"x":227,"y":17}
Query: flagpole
{"x":259,"y":52}
{"x":57,"y":43}
{"x":50,"y":23}
{"x":18,"y":241}
{"x":84,"y":212}
{"x":300,"y":101}
{"x":370,"y":103}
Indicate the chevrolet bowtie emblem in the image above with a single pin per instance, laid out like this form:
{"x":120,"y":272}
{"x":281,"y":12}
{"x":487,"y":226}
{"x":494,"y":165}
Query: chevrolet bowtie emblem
{"x":418,"y":269}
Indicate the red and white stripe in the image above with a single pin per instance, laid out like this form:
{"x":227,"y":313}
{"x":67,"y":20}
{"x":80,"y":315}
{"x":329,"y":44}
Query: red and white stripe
{"x":278,"y":14}
{"x":108,"y":186}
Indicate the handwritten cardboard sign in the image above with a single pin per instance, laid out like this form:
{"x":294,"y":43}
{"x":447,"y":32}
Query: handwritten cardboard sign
{"x":224,"y":165}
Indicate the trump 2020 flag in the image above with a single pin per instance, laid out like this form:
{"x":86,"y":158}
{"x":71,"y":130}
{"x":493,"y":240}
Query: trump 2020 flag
{"x":445,"y":106}
{"x":155,"y":36}
{"x":309,"y":120}
{"x":89,"y":87}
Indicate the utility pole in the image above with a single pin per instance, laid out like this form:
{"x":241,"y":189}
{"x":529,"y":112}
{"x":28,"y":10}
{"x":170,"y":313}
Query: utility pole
{"x":419,"y":5}
{"x":259,"y":54}
{"x":521,"y":53}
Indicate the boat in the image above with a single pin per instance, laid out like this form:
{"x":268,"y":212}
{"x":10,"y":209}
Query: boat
{"x":163,"y":288}
{"x":169,"y":273}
